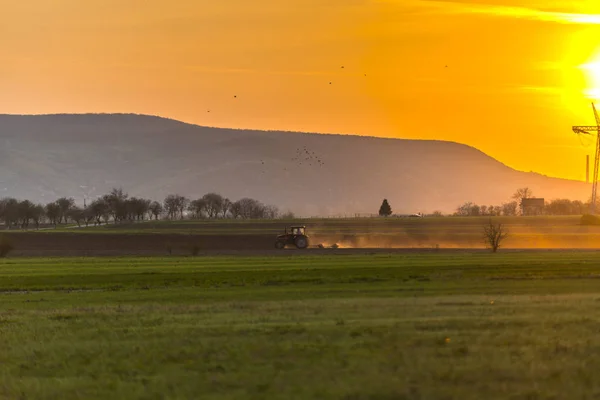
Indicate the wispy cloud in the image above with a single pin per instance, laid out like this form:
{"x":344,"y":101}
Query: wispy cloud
{"x":459,"y":7}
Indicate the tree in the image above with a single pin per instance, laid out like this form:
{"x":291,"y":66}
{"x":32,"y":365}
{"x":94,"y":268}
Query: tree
{"x":64,"y":205}
{"x":235,"y":209}
{"x":9,"y":209}
{"x":25,"y":213}
{"x":225,"y":205}
{"x":156,"y":209}
{"x":53,"y":213}
{"x":196,"y":208}
{"x":213,"y":202}
{"x":116,"y":201}
{"x":100,"y":211}
{"x":137,"y":208}
{"x":270,"y":212}
{"x":494,"y":235}
{"x":385,"y":210}
{"x":77,"y":214}
{"x":510,"y":209}
{"x":522,"y":193}
{"x":37,"y":215}
{"x":468,"y":210}
{"x":175,"y":204}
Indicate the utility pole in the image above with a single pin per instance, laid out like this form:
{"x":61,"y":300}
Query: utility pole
{"x":587,"y":168}
{"x":594,"y":131}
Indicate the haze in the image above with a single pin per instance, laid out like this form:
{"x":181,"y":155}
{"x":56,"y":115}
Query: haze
{"x":507,"y":77}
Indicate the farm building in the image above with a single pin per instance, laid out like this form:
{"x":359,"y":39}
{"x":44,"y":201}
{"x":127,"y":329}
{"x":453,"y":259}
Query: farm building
{"x":533,"y":206}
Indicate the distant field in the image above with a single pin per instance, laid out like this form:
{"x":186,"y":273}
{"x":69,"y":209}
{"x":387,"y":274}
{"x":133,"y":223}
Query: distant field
{"x":465,"y":325}
{"x":334,"y":225}
{"x":444,"y":233}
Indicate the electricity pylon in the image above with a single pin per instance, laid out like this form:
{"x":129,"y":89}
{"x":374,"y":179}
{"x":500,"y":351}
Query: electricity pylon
{"x":592,"y":130}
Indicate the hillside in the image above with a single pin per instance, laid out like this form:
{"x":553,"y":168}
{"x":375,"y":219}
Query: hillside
{"x":43,"y":157}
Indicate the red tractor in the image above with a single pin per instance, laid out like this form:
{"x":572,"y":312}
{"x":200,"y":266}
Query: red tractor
{"x":295,"y":237}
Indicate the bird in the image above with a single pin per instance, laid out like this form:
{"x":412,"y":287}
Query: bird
{"x":235,"y":97}
{"x":330,"y":83}
{"x":342,"y":67}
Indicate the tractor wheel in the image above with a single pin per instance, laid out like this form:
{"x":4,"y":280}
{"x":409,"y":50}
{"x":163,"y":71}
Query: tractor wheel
{"x":301,"y":242}
{"x":279,"y":245}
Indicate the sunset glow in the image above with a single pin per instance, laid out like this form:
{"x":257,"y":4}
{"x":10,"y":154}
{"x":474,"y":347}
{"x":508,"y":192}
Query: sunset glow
{"x":466,"y":71}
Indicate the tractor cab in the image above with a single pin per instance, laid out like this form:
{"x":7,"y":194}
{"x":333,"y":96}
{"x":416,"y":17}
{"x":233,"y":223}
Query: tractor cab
{"x":293,"y":236}
{"x":297,"y":230}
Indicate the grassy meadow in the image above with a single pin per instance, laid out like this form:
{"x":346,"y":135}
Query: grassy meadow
{"x":519,"y":325}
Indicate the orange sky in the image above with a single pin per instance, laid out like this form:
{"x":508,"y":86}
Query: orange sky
{"x":519,"y":73}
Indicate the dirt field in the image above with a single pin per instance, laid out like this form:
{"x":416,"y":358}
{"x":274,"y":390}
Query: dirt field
{"x":257,"y":237}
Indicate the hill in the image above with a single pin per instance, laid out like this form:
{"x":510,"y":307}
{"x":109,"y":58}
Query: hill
{"x":47,"y":156}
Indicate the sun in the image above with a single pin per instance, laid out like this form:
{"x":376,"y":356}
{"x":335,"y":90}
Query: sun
{"x":591,"y":72}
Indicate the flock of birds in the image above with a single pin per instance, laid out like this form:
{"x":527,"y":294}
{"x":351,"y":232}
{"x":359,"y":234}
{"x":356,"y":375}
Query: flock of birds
{"x":308,"y":157}
{"x":304,"y":156}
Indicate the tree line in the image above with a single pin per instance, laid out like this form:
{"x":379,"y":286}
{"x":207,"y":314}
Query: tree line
{"x":513,"y":208}
{"x":117,"y":206}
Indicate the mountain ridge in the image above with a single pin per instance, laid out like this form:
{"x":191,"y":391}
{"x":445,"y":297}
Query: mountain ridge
{"x":49,"y":155}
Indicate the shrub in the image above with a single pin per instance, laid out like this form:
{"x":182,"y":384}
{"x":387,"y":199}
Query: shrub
{"x":589,"y":219}
{"x":6,"y":246}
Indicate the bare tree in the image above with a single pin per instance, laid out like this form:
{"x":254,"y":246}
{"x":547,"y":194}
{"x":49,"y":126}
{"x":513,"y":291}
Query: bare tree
{"x":225,"y":206}
{"x":197,"y":207}
{"x":494,"y":235}
{"x":270,"y":212}
{"x":213,"y":203}
{"x":175,"y":205}
{"x":522,"y":193}
{"x":468,"y":209}
{"x":137,"y":208}
{"x":156,"y":209}
{"x":510,"y":209}
{"x":235,"y":209}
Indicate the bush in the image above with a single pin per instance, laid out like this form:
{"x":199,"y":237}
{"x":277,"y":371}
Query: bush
{"x":589,"y":219}
{"x":6,"y":246}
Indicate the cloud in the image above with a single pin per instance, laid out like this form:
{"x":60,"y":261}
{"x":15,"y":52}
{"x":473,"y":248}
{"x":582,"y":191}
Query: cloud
{"x":507,"y":11}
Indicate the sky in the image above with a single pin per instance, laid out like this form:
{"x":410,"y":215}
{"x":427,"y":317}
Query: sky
{"x":508,"y":77}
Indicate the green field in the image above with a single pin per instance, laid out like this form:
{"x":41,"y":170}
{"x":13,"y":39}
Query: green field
{"x":520,"y":325}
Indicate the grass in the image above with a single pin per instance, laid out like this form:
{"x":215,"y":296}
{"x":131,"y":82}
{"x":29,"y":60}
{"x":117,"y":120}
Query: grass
{"x":461,"y":325}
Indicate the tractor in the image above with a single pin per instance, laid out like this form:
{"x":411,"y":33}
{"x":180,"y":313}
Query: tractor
{"x":295,"y":237}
